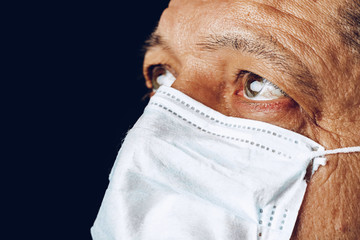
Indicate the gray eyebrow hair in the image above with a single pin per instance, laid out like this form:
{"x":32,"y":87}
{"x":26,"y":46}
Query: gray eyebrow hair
{"x":265,"y":48}
{"x":260,"y":47}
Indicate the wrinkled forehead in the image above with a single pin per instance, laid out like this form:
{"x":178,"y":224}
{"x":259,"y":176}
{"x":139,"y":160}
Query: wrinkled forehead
{"x":300,"y":20}
{"x":326,"y":22}
{"x":317,"y":12}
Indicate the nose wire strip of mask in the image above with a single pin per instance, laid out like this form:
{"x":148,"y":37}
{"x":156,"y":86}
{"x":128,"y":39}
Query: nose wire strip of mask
{"x":335,"y":151}
{"x":170,"y":100}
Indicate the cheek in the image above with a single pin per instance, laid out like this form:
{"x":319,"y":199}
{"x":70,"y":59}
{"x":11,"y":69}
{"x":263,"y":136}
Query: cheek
{"x":242,"y":104}
{"x":283,"y":112}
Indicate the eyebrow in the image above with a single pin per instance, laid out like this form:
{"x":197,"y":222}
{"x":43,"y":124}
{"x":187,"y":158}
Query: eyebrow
{"x":155,"y":40}
{"x":265,"y":48}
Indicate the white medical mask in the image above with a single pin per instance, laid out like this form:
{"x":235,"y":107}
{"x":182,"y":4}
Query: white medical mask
{"x":188,"y":172}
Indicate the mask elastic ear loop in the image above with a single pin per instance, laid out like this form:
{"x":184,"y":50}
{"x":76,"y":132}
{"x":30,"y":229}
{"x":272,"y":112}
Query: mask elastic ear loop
{"x":318,"y":158}
{"x":335,"y":151}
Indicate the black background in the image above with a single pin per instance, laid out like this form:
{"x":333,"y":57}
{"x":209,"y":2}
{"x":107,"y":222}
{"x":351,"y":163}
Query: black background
{"x":75,"y":76}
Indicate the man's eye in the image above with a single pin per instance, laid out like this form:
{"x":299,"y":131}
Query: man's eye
{"x":160,"y":75}
{"x":259,"y":89}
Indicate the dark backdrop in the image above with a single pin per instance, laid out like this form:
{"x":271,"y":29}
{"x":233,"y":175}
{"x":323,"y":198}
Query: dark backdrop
{"x":105,"y":89}
{"x":80,"y":89}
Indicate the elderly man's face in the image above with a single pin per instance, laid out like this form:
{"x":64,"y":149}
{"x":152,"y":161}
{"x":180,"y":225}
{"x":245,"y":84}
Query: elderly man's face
{"x":290,"y":63}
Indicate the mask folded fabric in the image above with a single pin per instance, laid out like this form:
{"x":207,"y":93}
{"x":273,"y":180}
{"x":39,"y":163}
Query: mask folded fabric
{"x":188,"y":172}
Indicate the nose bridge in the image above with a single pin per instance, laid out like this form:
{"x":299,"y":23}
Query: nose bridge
{"x":187,"y":84}
{"x":201,"y":86}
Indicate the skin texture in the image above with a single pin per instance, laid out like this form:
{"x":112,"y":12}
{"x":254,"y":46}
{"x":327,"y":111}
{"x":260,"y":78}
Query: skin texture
{"x":306,"y":58}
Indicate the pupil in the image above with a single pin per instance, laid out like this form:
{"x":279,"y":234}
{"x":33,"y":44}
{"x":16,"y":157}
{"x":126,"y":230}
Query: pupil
{"x":254,"y":86}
